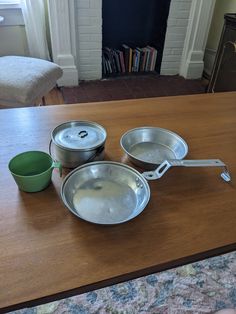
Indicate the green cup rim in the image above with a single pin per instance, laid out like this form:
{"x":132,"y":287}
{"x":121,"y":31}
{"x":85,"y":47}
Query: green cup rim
{"x":23,"y":153}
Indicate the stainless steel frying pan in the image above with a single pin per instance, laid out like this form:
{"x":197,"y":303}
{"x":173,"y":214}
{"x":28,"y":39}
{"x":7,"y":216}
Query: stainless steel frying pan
{"x":148,"y":147}
{"x":109,"y":193}
{"x":105,"y":192}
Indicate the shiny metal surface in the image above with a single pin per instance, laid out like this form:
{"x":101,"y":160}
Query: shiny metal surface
{"x":105,"y":192}
{"x":148,"y":147}
{"x":158,"y":173}
{"x":79,"y":135}
{"x":77,"y":142}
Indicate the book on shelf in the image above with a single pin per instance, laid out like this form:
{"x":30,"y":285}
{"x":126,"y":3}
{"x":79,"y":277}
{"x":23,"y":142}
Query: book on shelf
{"x":153,"y":55}
{"x":106,"y":59}
{"x":122,"y":61}
{"x":151,"y":49}
{"x":141,"y":59}
{"x":109,"y":57}
{"x":137,"y":56}
{"x":130,"y":59}
{"x":126,"y":49}
{"x":133,"y":60}
{"x":142,"y":68}
{"x":153,"y":65}
{"x":117,"y":61}
{"x":137,"y":60}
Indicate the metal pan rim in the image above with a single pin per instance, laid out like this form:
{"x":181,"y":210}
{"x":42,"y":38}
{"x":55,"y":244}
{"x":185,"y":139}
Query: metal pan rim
{"x":150,"y":127}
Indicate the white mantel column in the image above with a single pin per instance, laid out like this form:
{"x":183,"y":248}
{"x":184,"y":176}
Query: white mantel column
{"x":63,"y":39}
{"x":198,"y":27}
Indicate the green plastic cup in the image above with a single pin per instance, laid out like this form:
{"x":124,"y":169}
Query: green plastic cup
{"x":32,"y":170}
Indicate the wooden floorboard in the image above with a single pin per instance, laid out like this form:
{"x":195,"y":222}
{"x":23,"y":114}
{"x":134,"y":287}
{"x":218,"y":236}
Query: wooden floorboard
{"x":54,"y":97}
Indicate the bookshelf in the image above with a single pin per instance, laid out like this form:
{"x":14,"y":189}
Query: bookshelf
{"x":127,"y":60}
{"x":133,"y":36}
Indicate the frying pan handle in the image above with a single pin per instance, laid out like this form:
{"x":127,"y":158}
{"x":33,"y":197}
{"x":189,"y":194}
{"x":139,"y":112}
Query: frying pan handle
{"x":158,"y":173}
{"x":197,"y":163}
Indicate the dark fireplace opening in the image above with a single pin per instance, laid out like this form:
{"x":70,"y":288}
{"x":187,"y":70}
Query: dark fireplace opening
{"x":133,"y":35}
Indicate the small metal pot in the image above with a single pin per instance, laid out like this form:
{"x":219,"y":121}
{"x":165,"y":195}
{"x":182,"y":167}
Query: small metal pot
{"x":74,"y":143}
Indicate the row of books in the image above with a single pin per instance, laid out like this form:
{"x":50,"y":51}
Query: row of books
{"x":128,"y":59}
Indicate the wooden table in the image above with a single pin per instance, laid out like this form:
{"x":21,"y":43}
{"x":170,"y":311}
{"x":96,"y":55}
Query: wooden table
{"x":47,"y":253}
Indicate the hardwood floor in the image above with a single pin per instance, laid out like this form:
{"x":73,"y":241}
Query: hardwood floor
{"x":54,"y":97}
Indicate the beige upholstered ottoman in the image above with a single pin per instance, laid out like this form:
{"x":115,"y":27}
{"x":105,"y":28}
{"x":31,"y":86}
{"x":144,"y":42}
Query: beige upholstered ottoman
{"x":23,"y":80}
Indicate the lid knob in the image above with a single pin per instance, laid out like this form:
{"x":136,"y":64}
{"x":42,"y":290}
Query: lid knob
{"x":83,"y":134}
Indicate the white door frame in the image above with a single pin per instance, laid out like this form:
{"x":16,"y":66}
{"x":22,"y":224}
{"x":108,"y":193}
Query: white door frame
{"x":63,"y":39}
{"x":196,"y":37}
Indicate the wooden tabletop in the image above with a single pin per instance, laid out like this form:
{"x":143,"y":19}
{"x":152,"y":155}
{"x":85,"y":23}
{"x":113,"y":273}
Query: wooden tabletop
{"x":47,"y":253}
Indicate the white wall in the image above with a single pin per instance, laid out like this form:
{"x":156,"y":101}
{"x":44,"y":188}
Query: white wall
{"x":175,"y":36}
{"x":221,"y":7}
{"x":89,"y":28}
{"x":13,"y":41}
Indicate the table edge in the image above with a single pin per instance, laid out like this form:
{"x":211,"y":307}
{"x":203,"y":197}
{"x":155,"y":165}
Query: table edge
{"x":122,"y":278}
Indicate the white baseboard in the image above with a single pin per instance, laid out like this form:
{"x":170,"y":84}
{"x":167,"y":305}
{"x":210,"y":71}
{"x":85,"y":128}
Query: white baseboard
{"x":209,"y":59}
{"x":69,"y":77}
{"x":70,"y":72}
{"x":192,"y":69}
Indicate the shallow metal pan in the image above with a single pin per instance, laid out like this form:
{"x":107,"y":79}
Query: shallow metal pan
{"x":105,"y":192}
{"x":148,"y":147}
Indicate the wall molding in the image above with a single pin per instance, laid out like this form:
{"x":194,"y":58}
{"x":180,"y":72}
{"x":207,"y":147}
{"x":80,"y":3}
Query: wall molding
{"x":63,"y":39}
{"x":192,"y":64}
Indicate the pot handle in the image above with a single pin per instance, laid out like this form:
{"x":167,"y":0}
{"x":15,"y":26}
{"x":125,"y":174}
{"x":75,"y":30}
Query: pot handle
{"x":98,"y":152}
{"x":158,"y":173}
{"x":57,"y":164}
{"x":50,"y":148}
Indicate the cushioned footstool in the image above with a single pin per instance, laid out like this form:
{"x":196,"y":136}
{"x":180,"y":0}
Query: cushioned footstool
{"x":24,"y":80}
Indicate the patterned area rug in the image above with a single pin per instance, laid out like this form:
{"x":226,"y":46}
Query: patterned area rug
{"x":201,"y":287}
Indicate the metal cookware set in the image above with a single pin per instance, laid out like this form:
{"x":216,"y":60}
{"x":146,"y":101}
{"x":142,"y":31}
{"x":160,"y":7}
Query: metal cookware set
{"x":105,"y":192}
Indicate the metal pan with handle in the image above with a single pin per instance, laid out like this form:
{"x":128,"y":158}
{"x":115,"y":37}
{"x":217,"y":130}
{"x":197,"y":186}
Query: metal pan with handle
{"x":109,"y":193}
{"x":148,"y":147}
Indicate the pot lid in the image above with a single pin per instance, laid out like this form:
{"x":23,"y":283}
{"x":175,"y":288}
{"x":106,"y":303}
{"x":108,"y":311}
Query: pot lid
{"x":79,"y":135}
